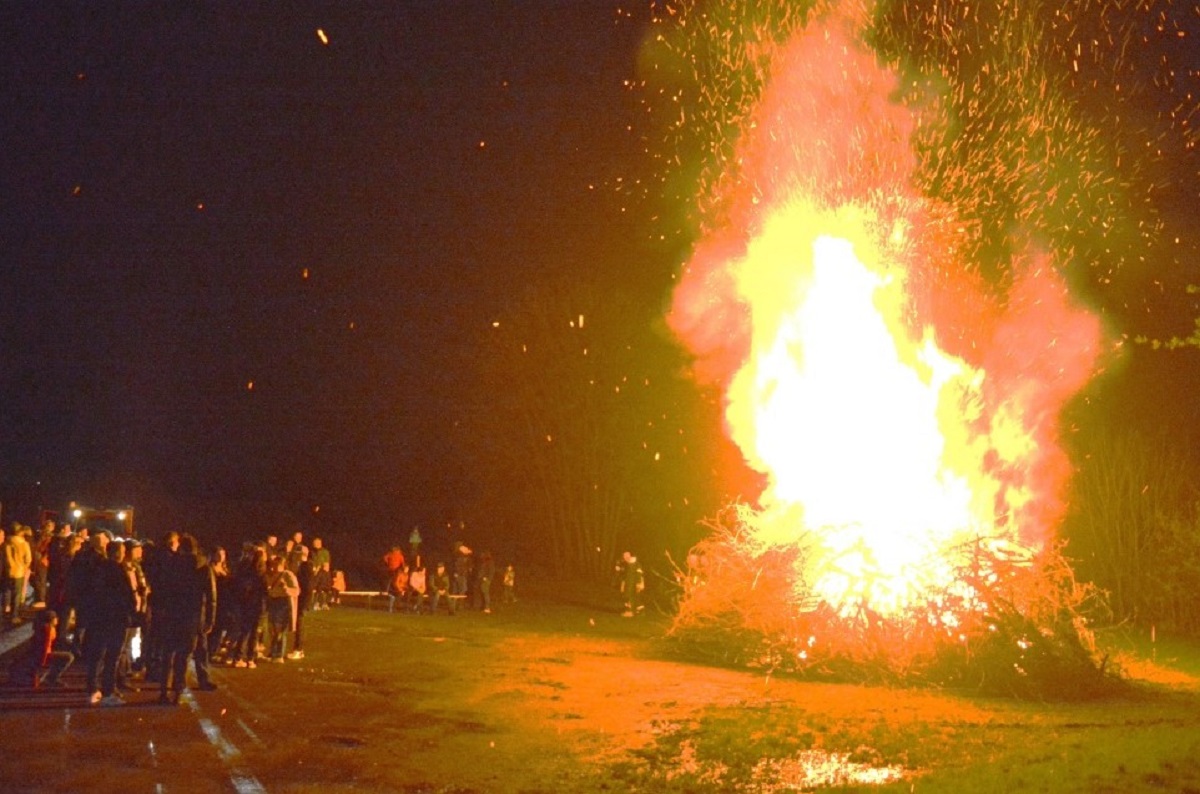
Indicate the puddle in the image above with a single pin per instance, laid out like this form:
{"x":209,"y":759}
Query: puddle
{"x":816,"y":769}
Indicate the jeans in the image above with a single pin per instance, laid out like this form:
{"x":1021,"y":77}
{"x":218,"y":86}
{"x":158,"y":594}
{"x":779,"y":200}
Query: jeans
{"x":14,"y":594}
{"x":279,"y":616}
{"x":102,"y":651}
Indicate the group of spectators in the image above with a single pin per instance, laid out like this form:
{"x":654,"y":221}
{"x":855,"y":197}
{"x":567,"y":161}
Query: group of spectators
{"x":413,"y":586}
{"x":127,"y":607}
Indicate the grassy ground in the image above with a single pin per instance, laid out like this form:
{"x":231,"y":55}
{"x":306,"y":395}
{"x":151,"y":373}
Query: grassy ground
{"x":551,"y":697}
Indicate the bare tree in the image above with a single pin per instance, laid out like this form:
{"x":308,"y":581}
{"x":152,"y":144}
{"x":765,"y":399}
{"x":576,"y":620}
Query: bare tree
{"x":1133,"y":528}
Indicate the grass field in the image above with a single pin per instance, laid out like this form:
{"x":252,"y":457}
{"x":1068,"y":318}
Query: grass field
{"x":552,"y":697}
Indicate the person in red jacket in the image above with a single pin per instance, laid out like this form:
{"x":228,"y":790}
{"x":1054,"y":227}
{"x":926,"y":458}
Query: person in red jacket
{"x":393,"y":561}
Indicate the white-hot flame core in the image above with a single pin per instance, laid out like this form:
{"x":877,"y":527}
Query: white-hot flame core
{"x":844,"y":411}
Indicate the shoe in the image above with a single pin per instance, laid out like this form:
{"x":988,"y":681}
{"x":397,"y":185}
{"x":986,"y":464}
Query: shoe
{"x":296,"y":655}
{"x":207,"y":686}
{"x":276,"y":660}
{"x":112,"y":700}
{"x":251,"y":665}
{"x":164,"y":700}
{"x":95,"y":698}
{"x":487,"y":611}
{"x":627,"y":614}
{"x":241,"y":663}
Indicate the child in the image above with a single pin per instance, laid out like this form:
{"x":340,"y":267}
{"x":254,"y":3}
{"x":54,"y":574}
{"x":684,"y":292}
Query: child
{"x":338,"y":587}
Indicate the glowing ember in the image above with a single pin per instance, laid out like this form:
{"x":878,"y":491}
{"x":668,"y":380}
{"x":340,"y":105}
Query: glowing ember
{"x":820,"y":305}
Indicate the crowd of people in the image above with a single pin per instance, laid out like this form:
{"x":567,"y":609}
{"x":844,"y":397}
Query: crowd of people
{"x":127,"y":608}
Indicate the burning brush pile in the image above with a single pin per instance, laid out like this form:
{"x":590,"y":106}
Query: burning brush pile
{"x":903,"y":411}
{"x":1004,"y":621}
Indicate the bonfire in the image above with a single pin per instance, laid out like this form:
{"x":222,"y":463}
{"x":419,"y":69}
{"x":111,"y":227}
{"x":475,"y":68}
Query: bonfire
{"x":903,"y":411}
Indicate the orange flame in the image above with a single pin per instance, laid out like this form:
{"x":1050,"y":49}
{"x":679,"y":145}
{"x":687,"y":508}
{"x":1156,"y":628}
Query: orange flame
{"x":826,"y":305}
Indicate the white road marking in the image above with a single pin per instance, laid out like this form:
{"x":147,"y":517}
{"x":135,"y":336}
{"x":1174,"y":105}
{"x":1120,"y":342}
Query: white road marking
{"x":243,"y":782}
{"x":249,"y":732}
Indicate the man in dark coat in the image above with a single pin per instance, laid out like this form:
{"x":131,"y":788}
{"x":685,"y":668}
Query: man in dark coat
{"x":186,"y":611}
{"x":158,"y":566}
{"x":111,"y":606}
{"x":81,"y":575}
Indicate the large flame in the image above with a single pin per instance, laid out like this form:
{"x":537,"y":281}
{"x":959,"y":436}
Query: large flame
{"x":827,"y":304}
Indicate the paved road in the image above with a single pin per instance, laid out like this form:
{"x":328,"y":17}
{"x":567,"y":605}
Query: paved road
{"x":69,"y":744}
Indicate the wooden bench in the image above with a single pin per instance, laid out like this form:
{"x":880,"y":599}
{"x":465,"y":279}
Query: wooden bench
{"x":368,"y":597}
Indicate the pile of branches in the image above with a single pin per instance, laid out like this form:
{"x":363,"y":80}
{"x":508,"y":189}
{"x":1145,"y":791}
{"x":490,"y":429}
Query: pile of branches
{"x":1011,"y":624}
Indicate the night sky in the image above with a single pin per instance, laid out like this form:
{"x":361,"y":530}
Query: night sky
{"x":240,"y":263}
{"x":246,"y":249}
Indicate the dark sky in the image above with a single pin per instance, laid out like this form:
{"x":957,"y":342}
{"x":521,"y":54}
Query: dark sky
{"x":197,"y":197}
{"x":238,"y":263}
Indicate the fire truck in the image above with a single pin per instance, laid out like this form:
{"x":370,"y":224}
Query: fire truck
{"x":118,"y":521}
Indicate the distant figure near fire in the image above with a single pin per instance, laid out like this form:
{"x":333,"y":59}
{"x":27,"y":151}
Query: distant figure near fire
{"x":632,"y":582}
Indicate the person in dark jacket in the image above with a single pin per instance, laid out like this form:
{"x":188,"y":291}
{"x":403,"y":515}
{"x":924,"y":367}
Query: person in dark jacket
{"x":487,"y":572}
{"x":207,"y":604}
{"x":157,"y":563}
{"x":304,"y":577}
{"x":110,"y":609}
{"x":186,"y":612}
{"x":80,"y":577}
{"x":250,"y":589}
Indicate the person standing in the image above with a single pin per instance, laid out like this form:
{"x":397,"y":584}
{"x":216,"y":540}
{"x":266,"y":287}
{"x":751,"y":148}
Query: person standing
{"x":184,"y":612}
{"x":463,"y":564}
{"x":393,"y":561}
{"x":141,"y":592}
{"x":41,"y":562}
{"x":296,"y":551}
{"x":250,"y":590}
{"x":158,"y":564}
{"x":509,"y":586}
{"x":18,"y":559}
{"x":632,"y":583}
{"x":487,"y":572}
{"x":322,"y":564}
{"x":65,"y":547}
{"x":205,"y":604}
{"x":282,"y":592}
{"x":109,"y":615}
{"x":304,"y":578}
{"x":414,"y":541}
{"x":80,"y":577}
{"x":223,"y":628}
